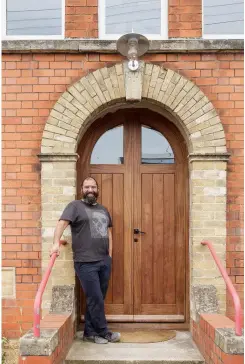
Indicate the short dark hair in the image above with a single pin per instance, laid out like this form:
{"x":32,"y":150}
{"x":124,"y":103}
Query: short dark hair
{"x":87,"y":178}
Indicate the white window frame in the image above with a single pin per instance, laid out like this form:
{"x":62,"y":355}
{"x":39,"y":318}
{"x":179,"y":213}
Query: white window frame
{"x":218,"y":36}
{"x":31,"y":37}
{"x":164,"y":23}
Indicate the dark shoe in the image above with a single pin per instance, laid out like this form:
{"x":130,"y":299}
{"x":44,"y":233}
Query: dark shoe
{"x":95,"y":339}
{"x":112,"y":337}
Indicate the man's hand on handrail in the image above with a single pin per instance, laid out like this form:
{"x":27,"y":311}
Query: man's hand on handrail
{"x":60,"y":227}
{"x":55,"y":249}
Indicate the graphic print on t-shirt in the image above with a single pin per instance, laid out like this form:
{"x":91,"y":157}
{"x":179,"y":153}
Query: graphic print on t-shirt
{"x":98,"y":221}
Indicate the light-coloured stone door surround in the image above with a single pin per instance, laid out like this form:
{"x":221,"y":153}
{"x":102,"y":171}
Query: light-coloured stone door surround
{"x":188,"y":108}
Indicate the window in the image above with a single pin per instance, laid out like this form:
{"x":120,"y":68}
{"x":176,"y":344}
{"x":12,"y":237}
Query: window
{"x":117,"y":17}
{"x":155,"y":148}
{"x":32,"y":19}
{"x":223,"y":19}
{"x":109,"y":148}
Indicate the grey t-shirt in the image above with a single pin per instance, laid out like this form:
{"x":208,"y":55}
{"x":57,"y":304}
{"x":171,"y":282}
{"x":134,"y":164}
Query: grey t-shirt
{"x":89,"y":228}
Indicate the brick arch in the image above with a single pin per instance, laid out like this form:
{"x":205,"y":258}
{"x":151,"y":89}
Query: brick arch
{"x":104,"y":87}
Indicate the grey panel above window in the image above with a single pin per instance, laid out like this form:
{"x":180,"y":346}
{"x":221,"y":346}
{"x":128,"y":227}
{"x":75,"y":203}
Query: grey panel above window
{"x":109,"y":148}
{"x":223,"y":17}
{"x":155,"y":149}
{"x":32,"y":17}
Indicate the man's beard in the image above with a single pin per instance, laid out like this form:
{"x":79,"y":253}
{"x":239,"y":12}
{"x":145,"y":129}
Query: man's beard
{"x":90,"y":197}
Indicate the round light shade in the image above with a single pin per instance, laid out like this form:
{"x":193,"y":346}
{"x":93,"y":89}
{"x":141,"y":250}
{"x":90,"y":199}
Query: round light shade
{"x":122,"y":44}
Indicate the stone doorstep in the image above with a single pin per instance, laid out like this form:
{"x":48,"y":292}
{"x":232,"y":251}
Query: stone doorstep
{"x":42,"y":346}
{"x":179,"y":350}
{"x":228,"y":341}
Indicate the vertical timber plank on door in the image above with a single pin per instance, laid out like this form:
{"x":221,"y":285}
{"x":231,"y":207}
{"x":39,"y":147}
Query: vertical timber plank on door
{"x":137,"y":245}
{"x":107,"y":201}
{"x":118,"y":239}
{"x":146,"y":240}
{"x":169,"y":252}
{"x":181,"y":235}
{"x":158,"y":236}
{"x":128,"y":221}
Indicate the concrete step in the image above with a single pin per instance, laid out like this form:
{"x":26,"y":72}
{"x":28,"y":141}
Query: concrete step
{"x":180,"y":350}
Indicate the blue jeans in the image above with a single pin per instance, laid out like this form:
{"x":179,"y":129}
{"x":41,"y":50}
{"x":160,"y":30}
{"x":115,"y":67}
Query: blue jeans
{"x":94,"y":278}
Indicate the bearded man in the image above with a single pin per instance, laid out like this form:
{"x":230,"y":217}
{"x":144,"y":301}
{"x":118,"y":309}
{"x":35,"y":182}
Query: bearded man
{"x":92,"y":254}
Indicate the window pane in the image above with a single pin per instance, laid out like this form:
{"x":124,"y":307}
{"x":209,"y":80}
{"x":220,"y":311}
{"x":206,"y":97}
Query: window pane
{"x":155,"y":147}
{"x":223,"y":16}
{"x":32,"y":17}
{"x":109,"y":148}
{"x":142,"y":16}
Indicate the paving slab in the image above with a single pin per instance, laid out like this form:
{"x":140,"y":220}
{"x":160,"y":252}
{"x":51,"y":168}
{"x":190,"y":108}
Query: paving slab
{"x":179,"y":350}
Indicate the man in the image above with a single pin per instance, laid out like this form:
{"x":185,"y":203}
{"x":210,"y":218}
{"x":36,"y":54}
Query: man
{"x":92,"y":253}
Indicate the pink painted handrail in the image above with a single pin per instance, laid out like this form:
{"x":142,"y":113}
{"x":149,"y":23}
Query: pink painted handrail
{"x":38,"y":299}
{"x":231,"y":289}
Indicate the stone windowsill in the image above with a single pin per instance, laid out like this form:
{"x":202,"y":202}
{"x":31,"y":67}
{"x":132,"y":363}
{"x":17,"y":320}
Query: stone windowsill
{"x":109,"y":46}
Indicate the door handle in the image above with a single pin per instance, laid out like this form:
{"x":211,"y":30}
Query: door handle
{"x":137,"y":231}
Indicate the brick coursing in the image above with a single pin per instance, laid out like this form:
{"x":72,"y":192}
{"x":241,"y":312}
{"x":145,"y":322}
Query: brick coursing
{"x":185,"y":18}
{"x":81,"y":19}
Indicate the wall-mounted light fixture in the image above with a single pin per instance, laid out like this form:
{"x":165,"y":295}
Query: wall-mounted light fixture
{"x":132,"y":45}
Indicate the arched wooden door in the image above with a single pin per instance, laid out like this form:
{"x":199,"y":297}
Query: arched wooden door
{"x":139,"y":161}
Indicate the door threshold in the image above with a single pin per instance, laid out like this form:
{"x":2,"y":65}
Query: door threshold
{"x":144,"y":318}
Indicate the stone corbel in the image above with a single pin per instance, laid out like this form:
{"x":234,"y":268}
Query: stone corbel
{"x":133,"y":82}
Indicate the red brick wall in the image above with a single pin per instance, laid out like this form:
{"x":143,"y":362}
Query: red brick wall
{"x":32,"y":83}
{"x":184,"y":16}
{"x":81,"y":19}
